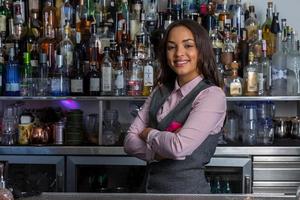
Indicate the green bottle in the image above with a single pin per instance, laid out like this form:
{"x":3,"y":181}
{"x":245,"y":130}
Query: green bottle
{"x":26,"y":87}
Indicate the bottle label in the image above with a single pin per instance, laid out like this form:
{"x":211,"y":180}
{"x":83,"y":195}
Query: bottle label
{"x":235,"y":89}
{"x":119,"y":79}
{"x":55,"y":85}
{"x":69,"y":58}
{"x":148,"y":75}
{"x":278,"y":73}
{"x":252,"y":82}
{"x":106,"y":79}
{"x":94,"y":84}
{"x":12,"y":87}
{"x":76,"y":85}
{"x":34,"y":63}
{"x":2,"y":23}
{"x":261,"y":80}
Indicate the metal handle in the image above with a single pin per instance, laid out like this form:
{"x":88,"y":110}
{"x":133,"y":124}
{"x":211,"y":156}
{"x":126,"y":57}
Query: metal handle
{"x":59,"y":182}
{"x":248,"y":187}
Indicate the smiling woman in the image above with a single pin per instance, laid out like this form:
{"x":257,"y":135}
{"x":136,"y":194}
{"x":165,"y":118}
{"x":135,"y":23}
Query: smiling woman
{"x":178,"y":127}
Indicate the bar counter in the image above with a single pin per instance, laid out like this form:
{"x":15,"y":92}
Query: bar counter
{"x":136,"y":196}
{"x":118,"y":151}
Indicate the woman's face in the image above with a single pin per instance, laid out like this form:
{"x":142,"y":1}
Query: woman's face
{"x":182,"y":54}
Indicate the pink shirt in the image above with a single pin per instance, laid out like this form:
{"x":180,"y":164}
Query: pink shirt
{"x":206,"y":117}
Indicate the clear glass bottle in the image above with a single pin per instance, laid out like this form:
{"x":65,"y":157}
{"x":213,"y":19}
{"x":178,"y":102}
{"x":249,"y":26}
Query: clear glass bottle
{"x":3,"y":19}
{"x":5,"y":194}
{"x":42,"y":78}
{"x":66,"y":13}
{"x":228,"y":50}
{"x":251,"y":24}
{"x":236,"y":83}
{"x":26,"y":76}
{"x":224,"y":17}
{"x":279,"y":70}
{"x":266,"y":70}
{"x":93,"y":81}
{"x":111,"y":127}
{"x":66,"y":48}
{"x":60,"y":85}
{"x":135,"y":76}
{"x":120,"y":77}
{"x":250,"y":77}
{"x":107,"y":72}
{"x":266,"y":29}
{"x":148,"y":73}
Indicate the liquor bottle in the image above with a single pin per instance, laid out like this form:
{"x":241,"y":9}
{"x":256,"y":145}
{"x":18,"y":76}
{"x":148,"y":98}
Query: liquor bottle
{"x":220,"y":66}
{"x":2,"y":67}
{"x":256,"y":45}
{"x":5,"y":193}
{"x":65,"y":48}
{"x":238,"y":19}
{"x":29,"y":39}
{"x":148,"y":73}
{"x":266,"y":28}
{"x":151,"y":16}
{"x":94,"y":51}
{"x":136,"y":8}
{"x":265,"y":64}
{"x":275,"y":28}
{"x":48,"y":43}
{"x":19,"y":11}
{"x":66,"y":14}
{"x":26,"y":77}
{"x":235,"y":85}
{"x":224,"y":18}
{"x":209,"y":21}
{"x":42,"y":76}
{"x":119,"y":77}
{"x":228,"y":50}
{"x":250,"y":77}
{"x":92,"y":81}
{"x":36,"y":24}
{"x":251,"y":24}
{"x":243,"y":47}
{"x":77,"y":74}
{"x":279,"y":70}
{"x":135,"y":76}
{"x":3,"y":19}
{"x":157,"y":34}
{"x":12,"y":75}
{"x":107,"y":72}
{"x":142,"y":39}
{"x":60,"y":85}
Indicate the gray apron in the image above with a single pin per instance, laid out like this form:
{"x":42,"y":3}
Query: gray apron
{"x":179,"y":176}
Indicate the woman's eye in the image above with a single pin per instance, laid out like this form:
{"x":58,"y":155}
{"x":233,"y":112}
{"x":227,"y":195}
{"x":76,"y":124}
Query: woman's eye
{"x":170,"y":47}
{"x":188,"y":46}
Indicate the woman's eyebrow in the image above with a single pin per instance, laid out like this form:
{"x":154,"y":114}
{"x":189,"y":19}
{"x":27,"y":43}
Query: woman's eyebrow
{"x":186,"y":40}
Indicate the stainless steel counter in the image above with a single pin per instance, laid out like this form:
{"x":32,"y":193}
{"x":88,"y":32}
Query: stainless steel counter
{"x":101,"y":196}
{"x":238,"y":151}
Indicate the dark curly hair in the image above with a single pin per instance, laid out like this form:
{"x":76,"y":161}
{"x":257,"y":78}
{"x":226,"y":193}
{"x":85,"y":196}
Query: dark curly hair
{"x":206,"y":58}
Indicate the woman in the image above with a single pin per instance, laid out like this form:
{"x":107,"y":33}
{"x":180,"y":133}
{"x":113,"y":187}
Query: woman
{"x":177,"y":130}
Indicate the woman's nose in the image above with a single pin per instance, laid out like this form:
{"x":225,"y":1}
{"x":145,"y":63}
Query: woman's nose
{"x":179,"y":51}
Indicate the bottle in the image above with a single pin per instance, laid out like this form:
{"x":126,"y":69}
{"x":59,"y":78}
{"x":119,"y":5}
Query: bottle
{"x":42,"y":77}
{"x":250,"y":77}
{"x":5,"y":193}
{"x":135,"y":76}
{"x":148,"y":73}
{"x":151,"y":16}
{"x":66,"y":48}
{"x":119,"y":77}
{"x":228,"y":50}
{"x":107,"y":72}
{"x":94,"y":47}
{"x":266,"y":30}
{"x":26,"y":77}
{"x":77,"y":75}
{"x":158,"y":33}
{"x":66,"y":14}
{"x":255,"y":46}
{"x":93,"y":81}
{"x":136,"y":8}
{"x":60,"y":85}
{"x":220,"y":66}
{"x":210,"y":21}
{"x":3,"y":19}
{"x":243,"y":47}
{"x":224,"y":18}
{"x":29,"y":37}
{"x":19,"y":11}
{"x":251,"y":24}
{"x":279,"y":70}
{"x":275,"y":29}
{"x":266,"y":68}
{"x":111,"y":127}
{"x":235,"y":84}
{"x":36,"y":24}
{"x":238,"y":19}
{"x":12,"y":75}
{"x":2,"y":67}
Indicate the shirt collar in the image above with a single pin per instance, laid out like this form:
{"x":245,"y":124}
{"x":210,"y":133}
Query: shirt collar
{"x":186,"y":88}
